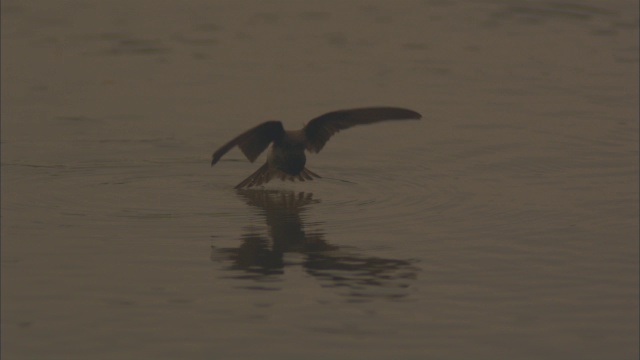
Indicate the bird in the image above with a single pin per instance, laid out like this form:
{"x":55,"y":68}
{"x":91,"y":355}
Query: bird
{"x":286,"y":159}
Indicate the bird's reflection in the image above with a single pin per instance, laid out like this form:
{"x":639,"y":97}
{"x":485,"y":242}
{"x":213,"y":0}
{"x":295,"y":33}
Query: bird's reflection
{"x":262,"y":253}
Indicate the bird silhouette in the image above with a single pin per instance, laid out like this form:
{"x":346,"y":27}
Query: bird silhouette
{"x":286,"y":159}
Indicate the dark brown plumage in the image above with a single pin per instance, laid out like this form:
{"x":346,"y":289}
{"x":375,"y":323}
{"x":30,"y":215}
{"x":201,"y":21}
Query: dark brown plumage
{"x":286,"y":159}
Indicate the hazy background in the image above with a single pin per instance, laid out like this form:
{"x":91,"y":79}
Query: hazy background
{"x":502,"y":225}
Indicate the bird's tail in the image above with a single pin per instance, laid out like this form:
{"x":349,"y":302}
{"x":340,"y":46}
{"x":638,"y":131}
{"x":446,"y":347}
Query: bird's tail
{"x":264,"y":174}
{"x":261,"y":176}
{"x":304,"y":175}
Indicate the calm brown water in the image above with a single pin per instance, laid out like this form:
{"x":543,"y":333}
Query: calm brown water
{"x":504,"y":225}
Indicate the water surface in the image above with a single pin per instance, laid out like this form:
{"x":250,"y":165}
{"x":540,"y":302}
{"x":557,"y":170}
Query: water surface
{"x":504,"y":224}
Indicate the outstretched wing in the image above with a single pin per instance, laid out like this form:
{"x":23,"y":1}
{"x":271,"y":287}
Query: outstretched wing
{"x":253,"y":141}
{"x":319,"y":130}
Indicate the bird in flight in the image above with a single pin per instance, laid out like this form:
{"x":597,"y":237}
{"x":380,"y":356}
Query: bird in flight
{"x":286,"y":159}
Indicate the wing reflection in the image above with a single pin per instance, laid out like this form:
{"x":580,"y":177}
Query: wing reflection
{"x":288,"y":242}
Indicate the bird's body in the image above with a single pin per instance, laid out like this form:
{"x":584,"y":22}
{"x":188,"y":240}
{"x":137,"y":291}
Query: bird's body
{"x":286,"y":158}
{"x":288,"y":155}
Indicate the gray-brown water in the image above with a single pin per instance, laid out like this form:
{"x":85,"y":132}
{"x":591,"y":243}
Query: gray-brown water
{"x":504,"y":225}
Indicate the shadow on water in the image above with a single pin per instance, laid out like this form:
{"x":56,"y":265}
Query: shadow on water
{"x":262,"y":254}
